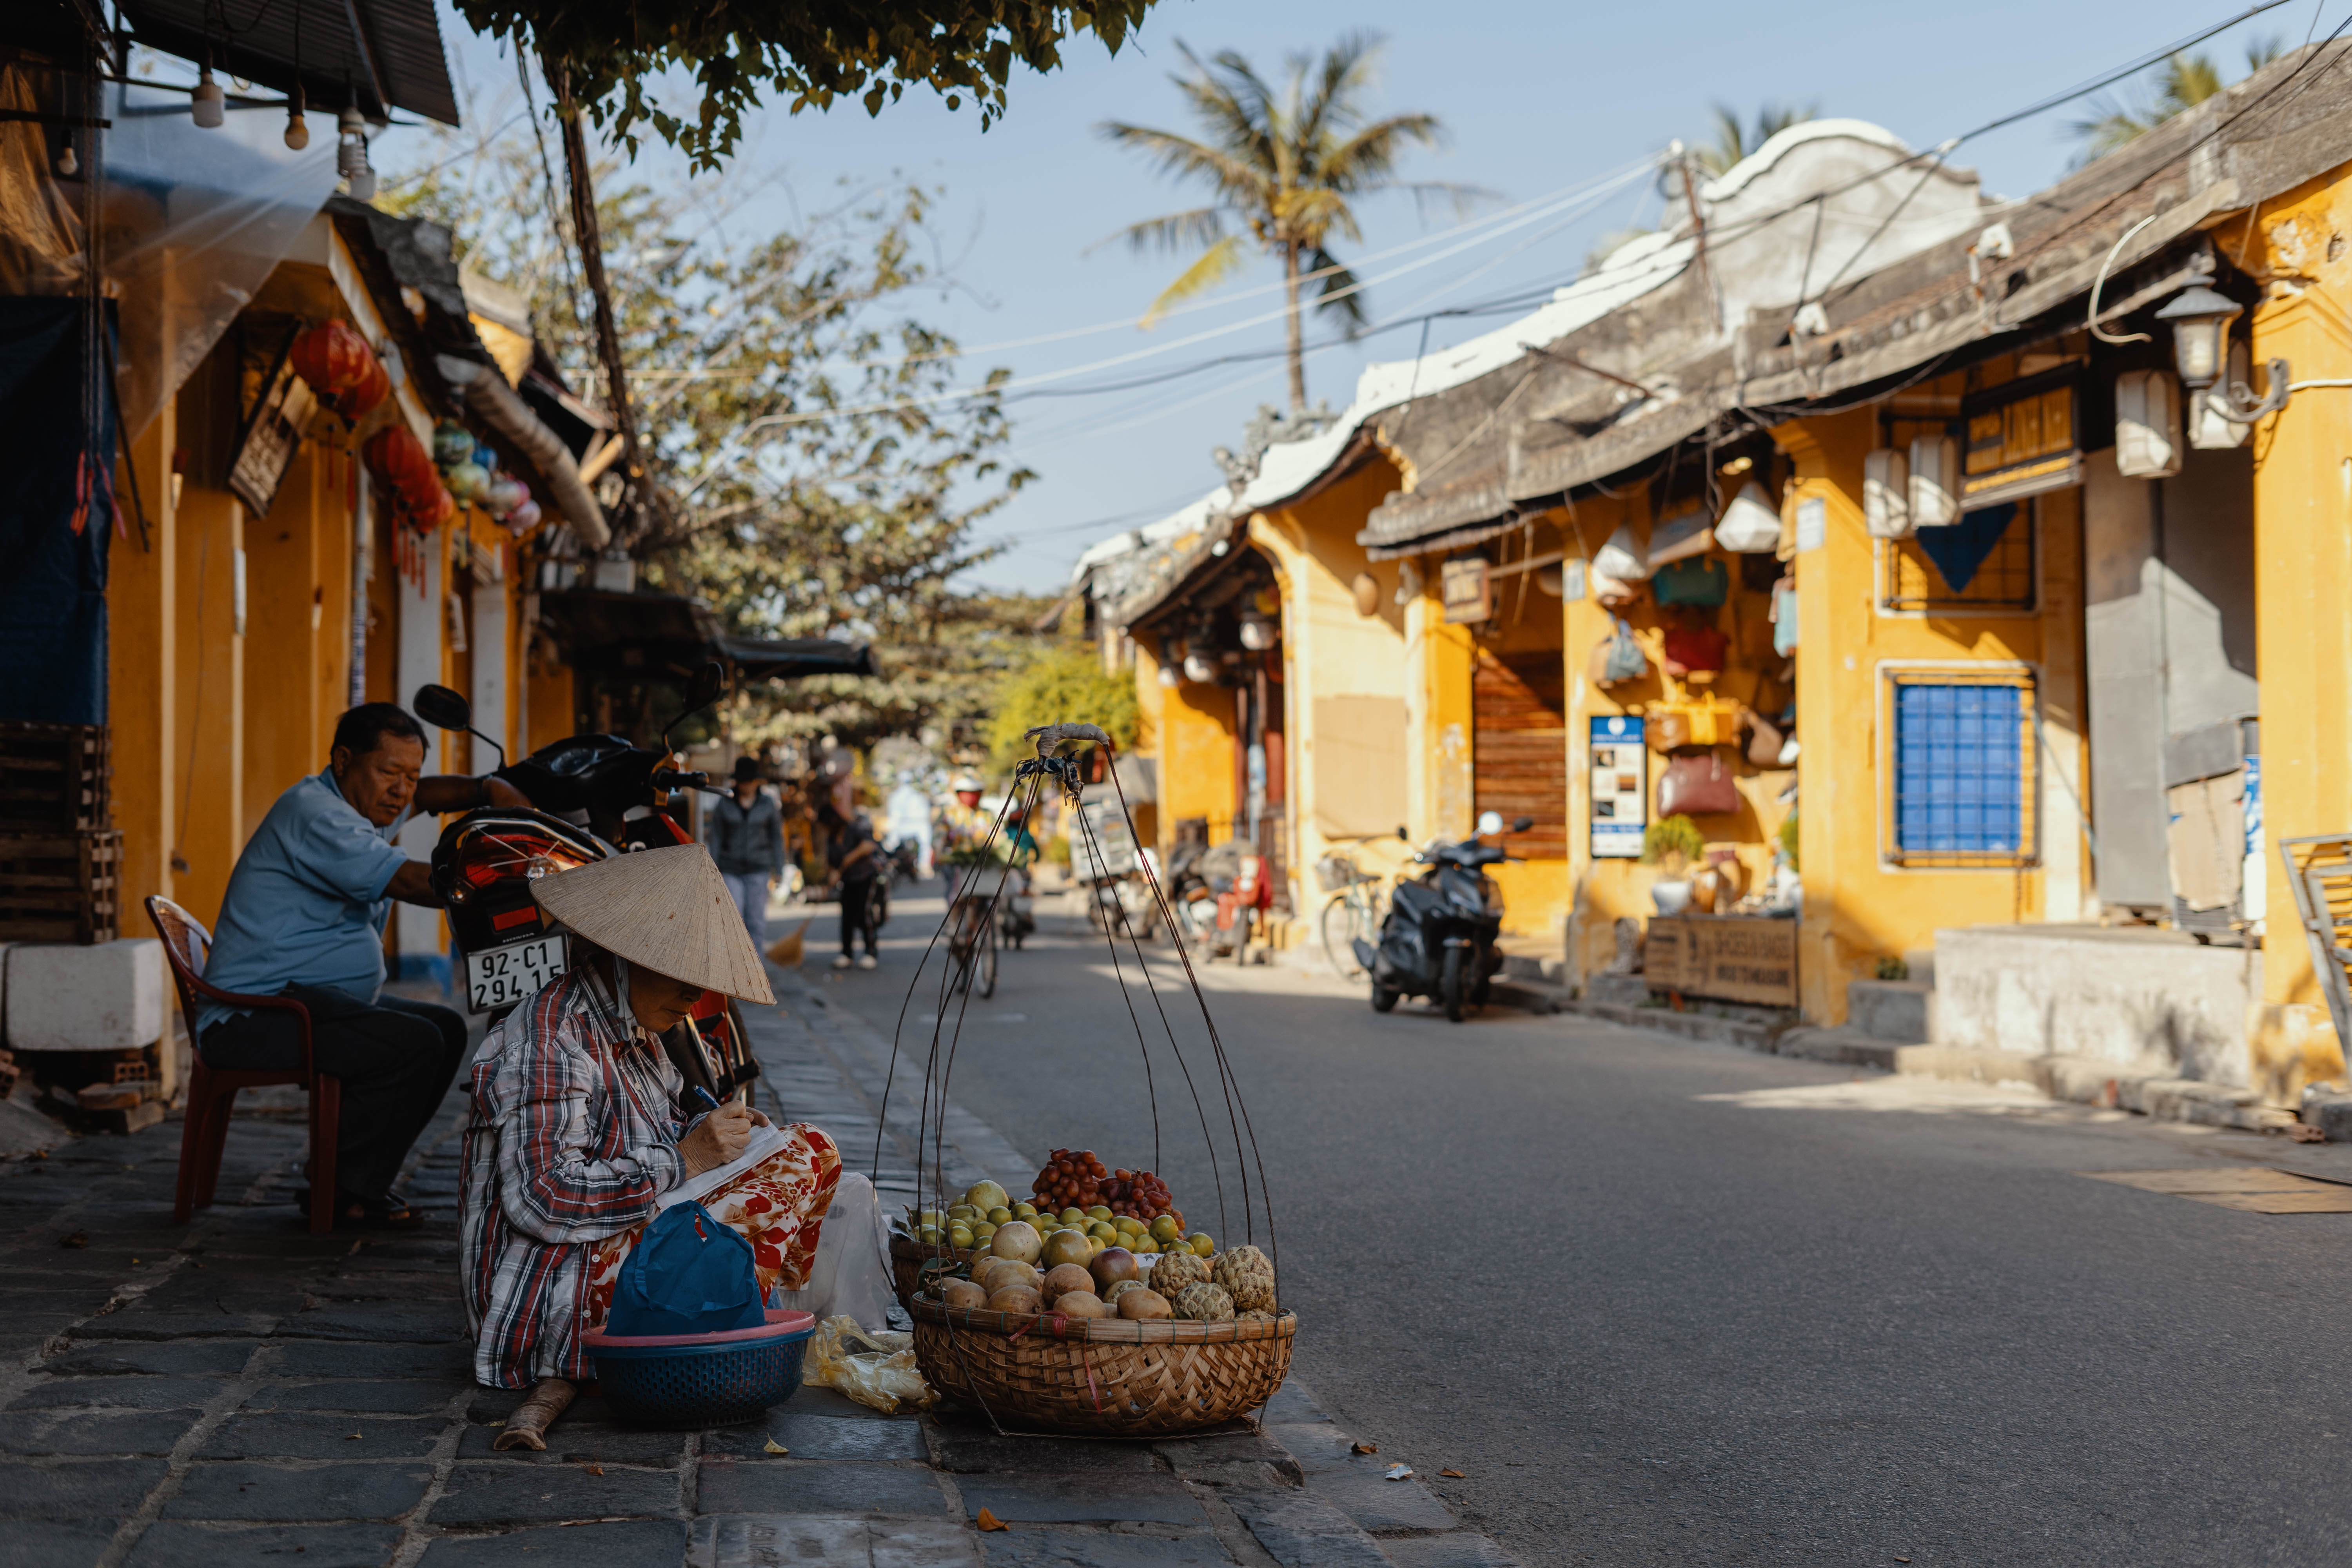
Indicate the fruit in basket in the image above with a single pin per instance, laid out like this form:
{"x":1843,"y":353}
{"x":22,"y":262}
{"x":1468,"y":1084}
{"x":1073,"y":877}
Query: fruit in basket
{"x":1067,"y":1245}
{"x":1017,"y":1239}
{"x":1246,"y":1275}
{"x":1025,"y":1211}
{"x":964,"y":1211}
{"x":1167,"y":1228}
{"x":1064,"y":1278}
{"x":962,"y":1295}
{"x":1103,"y":1228}
{"x":959,"y":1237}
{"x":1143,"y":1305}
{"x":1016,"y":1298}
{"x":1081,"y":1304}
{"x":985,"y":1195}
{"x":1111,"y":1297}
{"x":1203,"y":1304}
{"x":1072,"y":1177}
{"x":1139,"y":1193}
{"x":1073,"y":1215}
{"x":1201,"y":1242}
{"x":1175,"y":1270}
{"x":999,"y":1215}
{"x":995,"y":1274}
{"x":1113,"y":1264}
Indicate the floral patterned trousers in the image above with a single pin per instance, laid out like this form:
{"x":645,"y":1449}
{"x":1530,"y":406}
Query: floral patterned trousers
{"x":776,"y":1205}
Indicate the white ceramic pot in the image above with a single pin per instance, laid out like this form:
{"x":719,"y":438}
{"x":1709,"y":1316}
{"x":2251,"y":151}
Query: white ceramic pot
{"x":1670,"y":898}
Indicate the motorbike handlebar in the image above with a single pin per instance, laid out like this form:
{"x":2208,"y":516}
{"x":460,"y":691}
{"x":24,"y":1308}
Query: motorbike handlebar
{"x":667,"y":779}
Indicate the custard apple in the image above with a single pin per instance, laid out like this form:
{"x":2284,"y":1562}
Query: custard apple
{"x":1177,"y":1269}
{"x":1111,"y":1295}
{"x":1204,"y":1304}
{"x":1256,"y":1315}
{"x":1247,"y":1275}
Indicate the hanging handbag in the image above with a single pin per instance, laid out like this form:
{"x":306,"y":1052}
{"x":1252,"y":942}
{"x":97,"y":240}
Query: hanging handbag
{"x":1705,"y":581}
{"x":1666,"y":727}
{"x":1784,"y":617}
{"x":1694,"y":650}
{"x":1763,"y":741}
{"x":1617,"y":658}
{"x":1698,"y":784}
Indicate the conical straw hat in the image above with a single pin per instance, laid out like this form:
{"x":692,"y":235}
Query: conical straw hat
{"x":663,"y":909}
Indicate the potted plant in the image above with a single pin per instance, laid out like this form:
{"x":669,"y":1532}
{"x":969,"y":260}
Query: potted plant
{"x":1671,"y":846}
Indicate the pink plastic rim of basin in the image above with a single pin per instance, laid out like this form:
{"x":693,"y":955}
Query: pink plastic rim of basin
{"x":779,"y":1322}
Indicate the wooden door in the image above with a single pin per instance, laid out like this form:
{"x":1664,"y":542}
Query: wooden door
{"x":1519,"y":755}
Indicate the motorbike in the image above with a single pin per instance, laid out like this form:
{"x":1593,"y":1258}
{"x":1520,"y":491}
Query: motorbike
{"x":1217,"y":896}
{"x":906,"y":862}
{"x":592,"y":797}
{"x":1440,"y":938}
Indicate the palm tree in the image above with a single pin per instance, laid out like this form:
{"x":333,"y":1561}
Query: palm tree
{"x":2185,"y":81}
{"x":1732,"y":144}
{"x":1284,"y":168}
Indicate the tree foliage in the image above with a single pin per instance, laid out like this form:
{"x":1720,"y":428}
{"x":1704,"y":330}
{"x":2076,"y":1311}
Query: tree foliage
{"x":813,"y":51}
{"x":1283,"y":167}
{"x":821,"y":475}
{"x":2182,"y":83}
{"x":1061,"y":683}
{"x":1733,"y":141}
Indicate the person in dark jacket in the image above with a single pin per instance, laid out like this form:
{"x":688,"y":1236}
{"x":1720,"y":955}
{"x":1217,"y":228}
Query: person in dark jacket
{"x":745,"y":833}
{"x":856,"y":859}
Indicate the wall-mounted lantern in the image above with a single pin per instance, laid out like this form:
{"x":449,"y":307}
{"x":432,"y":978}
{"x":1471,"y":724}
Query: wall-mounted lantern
{"x":2201,"y":319}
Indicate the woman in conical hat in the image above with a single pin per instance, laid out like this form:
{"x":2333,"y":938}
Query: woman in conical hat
{"x":577,"y":1130}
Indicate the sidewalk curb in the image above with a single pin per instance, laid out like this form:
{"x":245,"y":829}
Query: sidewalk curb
{"x":2074,"y":1079}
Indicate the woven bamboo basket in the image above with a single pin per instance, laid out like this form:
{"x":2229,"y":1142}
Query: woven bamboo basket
{"x":1102,"y":1377}
{"x":908,"y":1257}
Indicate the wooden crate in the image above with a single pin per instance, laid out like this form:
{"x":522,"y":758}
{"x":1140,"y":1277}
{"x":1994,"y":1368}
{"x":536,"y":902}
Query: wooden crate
{"x":1728,"y":958}
{"x":54,"y":778}
{"x":62,"y":887}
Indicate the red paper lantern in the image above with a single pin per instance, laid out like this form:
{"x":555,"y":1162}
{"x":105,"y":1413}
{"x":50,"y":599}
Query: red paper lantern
{"x":356,"y":402}
{"x":331,"y":357}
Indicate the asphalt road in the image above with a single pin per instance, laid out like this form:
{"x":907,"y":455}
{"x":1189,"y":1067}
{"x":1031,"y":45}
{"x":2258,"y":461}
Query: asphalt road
{"x":1668,"y":1302}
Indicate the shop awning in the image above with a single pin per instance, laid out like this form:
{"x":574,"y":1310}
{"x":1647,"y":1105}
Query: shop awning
{"x":600,"y":631}
{"x":382,"y":54}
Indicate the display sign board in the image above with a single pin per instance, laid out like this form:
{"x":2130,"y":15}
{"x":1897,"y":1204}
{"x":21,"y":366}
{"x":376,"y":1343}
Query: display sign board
{"x":1467,"y":593}
{"x":1729,"y":958}
{"x":2020,"y":447}
{"x":1621,"y":786}
{"x":266,"y":446}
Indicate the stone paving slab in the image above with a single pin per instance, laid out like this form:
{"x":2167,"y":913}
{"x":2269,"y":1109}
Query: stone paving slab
{"x":76,"y":1488}
{"x":88,"y":1432}
{"x":193,"y":1358}
{"x":1103,"y":1498}
{"x":832,"y":1487}
{"x":407,"y":1397}
{"x":486,"y":1493}
{"x":617,"y":1543}
{"x":57,"y":1545}
{"x":123,"y":1393}
{"x":243,"y":1489}
{"x":287,"y":1434}
{"x":581,"y":1444}
{"x":1103,"y":1549}
{"x":767,"y":1541}
{"x":809,"y":1436}
{"x":175,"y":1543}
{"x":1301,"y":1531}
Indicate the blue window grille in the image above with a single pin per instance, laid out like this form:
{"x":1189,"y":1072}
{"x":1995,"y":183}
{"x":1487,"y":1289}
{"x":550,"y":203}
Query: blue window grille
{"x":1962,"y":771}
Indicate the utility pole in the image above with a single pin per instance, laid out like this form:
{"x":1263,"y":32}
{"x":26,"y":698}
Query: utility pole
{"x":592,"y":264}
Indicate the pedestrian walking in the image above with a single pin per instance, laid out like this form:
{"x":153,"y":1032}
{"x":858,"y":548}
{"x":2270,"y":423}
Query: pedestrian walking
{"x":745,"y":833}
{"x":856,"y":860}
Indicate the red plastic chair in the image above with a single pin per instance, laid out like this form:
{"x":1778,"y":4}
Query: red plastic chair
{"x":212,"y":1094}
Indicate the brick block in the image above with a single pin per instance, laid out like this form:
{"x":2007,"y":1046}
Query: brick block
{"x":110,"y":998}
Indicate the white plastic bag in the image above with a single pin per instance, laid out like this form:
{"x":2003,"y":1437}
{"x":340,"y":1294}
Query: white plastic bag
{"x":876,"y":1370}
{"x":1622,"y":557}
{"x":850,"y":1276}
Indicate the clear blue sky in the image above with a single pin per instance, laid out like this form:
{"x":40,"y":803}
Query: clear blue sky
{"x":1536,"y":98}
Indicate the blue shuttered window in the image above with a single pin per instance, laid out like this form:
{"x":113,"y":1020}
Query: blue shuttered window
{"x":1961,"y":768}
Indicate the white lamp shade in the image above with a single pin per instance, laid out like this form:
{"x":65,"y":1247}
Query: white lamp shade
{"x":2148,"y":424}
{"x":1886,"y":493}
{"x":1750,"y":525}
{"x":208,"y":105}
{"x":1623,"y":557}
{"x":1935,"y":486}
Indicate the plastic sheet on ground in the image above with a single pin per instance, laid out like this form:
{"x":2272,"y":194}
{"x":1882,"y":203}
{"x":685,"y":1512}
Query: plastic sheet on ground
{"x":876,"y":1370}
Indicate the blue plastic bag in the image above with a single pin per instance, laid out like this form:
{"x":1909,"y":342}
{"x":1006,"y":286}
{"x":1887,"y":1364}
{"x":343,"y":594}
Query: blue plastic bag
{"x":689,"y":1275}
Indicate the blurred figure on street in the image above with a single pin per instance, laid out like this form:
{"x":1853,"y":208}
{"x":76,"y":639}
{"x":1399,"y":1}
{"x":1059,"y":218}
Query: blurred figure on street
{"x":909,"y":821}
{"x":745,"y":832}
{"x":856,"y":860}
{"x":963,"y":829}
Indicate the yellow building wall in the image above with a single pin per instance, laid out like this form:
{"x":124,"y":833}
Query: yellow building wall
{"x":2303,"y":538}
{"x":1859,"y":909}
{"x":1196,"y":759}
{"x":207,"y":746}
{"x":143,"y":605}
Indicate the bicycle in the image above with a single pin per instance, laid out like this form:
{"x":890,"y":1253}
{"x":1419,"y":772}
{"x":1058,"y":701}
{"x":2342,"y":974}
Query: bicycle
{"x":1358,"y":905}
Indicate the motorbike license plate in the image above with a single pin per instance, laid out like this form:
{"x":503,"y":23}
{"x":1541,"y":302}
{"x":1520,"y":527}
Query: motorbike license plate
{"x":501,"y":977}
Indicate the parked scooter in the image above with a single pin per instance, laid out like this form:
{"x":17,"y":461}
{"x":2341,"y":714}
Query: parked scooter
{"x":1218,"y":896}
{"x":593,"y":796}
{"x":1439,"y":940}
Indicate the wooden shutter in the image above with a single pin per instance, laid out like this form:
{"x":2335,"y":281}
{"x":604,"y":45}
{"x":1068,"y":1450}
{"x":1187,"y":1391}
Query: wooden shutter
{"x":1520,"y":749}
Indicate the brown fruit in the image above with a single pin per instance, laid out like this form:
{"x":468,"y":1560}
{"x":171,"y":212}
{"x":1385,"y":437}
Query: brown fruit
{"x":1065,"y":1245}
{"x":1064,"y":1278}
{"x":1144,"y":1305}
{"x":1113,"y":1264}
{"x":1015,"y":1298}
{"x":963,"y":1295}
{"x":1082,"y":1304}
{"x":1112,"y":1295}
{"x":996,"y":1274}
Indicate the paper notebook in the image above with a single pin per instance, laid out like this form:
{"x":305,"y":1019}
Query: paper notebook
{"x":764,"y":1143}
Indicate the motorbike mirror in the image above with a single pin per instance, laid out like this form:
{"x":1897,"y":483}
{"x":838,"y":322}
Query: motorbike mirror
{"x":1404,"y":836}
{"x":701,"y":691}
{"x":1521,"y":824}
{"x":443,"y":709}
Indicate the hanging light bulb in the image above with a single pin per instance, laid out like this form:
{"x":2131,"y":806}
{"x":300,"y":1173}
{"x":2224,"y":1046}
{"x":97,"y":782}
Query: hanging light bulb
{"x":298,"y":128}
{"x":350,"y":155}
{"x":207,"y":104}
{"x":68,"y":165}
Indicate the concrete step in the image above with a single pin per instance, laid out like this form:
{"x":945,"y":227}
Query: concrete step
{"x":1532,"y":995}
{"x":1900,"y":1012}
{"x":1532,"y":966}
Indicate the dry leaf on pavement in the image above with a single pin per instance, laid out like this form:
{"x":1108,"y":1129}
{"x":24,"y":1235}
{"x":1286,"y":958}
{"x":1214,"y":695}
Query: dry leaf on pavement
{"x":776,"y":1447}
{"x":594,"y":1469}
{"x":1456,"y":1474}
{"x":1399,"y":1472}
{"x":988,"y":1521}
{"x":1364,"y":1448}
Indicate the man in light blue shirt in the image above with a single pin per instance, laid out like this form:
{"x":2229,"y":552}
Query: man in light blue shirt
{"x":304,"y":918}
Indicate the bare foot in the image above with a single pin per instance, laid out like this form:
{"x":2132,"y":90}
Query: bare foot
{"x":527,"y":1427}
